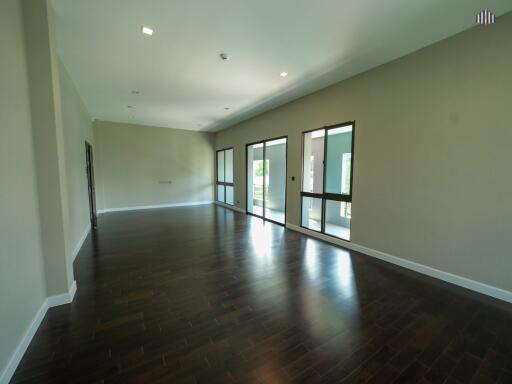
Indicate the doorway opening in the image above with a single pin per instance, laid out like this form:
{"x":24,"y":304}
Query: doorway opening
{"x":89,"y":160}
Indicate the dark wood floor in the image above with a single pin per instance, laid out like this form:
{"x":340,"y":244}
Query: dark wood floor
{"x":206,"y":295}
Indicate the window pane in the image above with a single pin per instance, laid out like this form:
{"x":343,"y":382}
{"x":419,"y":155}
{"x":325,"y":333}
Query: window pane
{"x":313,"y":162}
{"x":275,"y":179}
{"x":255,"y":175}
{"x":312,"y":213}
{"x":338,"y":215}
{"x":229,"y":195}
{"x":220,"y":166}
{"x":338,"y":160}
{"x":220,"y":193}
{"x":229,"y":166}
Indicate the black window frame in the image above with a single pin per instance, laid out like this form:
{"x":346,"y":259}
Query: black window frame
{"x":264,"y":141}
{"x":224,"y":183}
{"x":324,"y":196}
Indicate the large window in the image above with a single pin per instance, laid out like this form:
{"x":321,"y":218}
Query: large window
{"x":225,"y":176}
{"x":327,"y":180}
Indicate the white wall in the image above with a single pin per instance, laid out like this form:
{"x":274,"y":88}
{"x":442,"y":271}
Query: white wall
{"x":134,"y":165}
{"x":78,"y":129}
{"x":35,"y":267}
{"x":48,"y":131}
{"x":22,"y":278}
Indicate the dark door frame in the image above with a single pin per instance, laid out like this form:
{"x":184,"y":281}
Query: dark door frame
{"x":89,"y":169}
{"x":247,"y":179}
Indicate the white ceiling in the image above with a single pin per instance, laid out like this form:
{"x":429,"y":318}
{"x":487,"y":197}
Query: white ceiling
{"x":184,"y":84}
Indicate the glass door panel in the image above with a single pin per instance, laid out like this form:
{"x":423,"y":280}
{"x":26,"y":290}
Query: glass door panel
{"x":220,"y":166}
{"x":255,"y":179}
{"x":229,"y":195}
{"x":275,"y":180}
{"x":338,"y":160}
{"x":228,"y":166}
{"x":312,"y":213}
{"x":338,"y":215}
{"x":220,"y":193}
{"x":313,"y":162}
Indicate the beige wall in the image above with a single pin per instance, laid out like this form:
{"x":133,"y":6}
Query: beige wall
{"x":22,"y":281}
{"x":47,"y":127}
{"x":77,"y":129}
{"x":34,"y":234}
{"x":433,"y":153}
{"x":133,"y":163}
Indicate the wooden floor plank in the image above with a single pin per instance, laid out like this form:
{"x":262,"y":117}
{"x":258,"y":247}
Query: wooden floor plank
{"x":206,"y":295}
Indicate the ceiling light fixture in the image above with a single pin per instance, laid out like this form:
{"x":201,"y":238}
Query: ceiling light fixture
{"x":224,"y":56}
{"x":283,"y":74}
{"x":147,"y":31}
{"x":130,"y":106}
{"x":227,"y":108}
{"x":135,"y":92}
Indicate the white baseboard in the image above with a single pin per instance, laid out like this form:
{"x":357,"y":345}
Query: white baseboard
{"x":232,"y":207}
{"x":13,"y":363}
{"x":63,"y":298}
{"x":80,"y":242}
{"x":50,"y":302}
{"x":464,"y":282}
{"x":136,"y":208}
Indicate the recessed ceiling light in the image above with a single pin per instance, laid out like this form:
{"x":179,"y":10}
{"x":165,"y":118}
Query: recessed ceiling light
{"x":147,"y":31}
{"x":283,"y":74}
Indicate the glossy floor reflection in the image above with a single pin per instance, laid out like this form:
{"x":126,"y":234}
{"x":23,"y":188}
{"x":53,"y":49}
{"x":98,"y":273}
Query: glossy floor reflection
{"x":206,"y":295}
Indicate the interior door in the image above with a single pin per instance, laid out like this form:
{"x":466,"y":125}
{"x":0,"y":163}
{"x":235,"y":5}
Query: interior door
{"x":90,"y":184}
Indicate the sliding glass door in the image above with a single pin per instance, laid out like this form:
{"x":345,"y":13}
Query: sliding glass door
{"x":266,"y":179}
{"x":327,"y":180}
